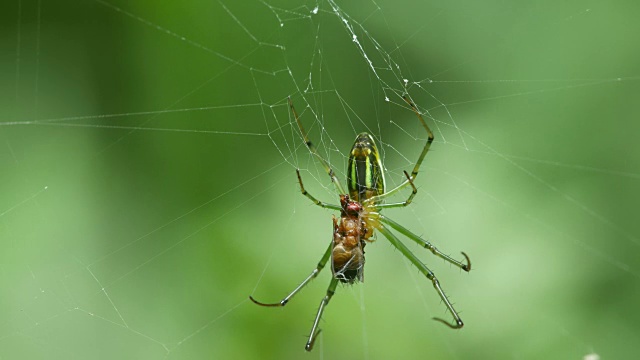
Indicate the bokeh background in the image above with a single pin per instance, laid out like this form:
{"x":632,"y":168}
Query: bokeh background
{"x":147,"y":176}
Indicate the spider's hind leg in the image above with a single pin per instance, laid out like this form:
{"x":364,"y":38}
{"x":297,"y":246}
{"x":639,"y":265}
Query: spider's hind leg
{"x":314,"y":151}
{"x":312,"y":198}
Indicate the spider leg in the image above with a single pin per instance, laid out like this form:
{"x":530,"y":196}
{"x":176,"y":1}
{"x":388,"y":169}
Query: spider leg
{"x":325,"y":300}
{"x":416,"y":168}
{"x":457,"y":324}
{"x":427,"y":245}
{"x":404,"y":203}
{"x":314,"y":151}
{"x":315,"y":201}
{"x":311,"y":276}
{"x":378,"y":198}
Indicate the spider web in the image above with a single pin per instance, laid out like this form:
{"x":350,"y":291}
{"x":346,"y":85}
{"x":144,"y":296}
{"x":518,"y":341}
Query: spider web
{"x":148,"y":158}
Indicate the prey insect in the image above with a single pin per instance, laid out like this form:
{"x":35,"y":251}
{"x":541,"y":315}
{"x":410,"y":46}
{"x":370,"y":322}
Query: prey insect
{"x":360,"y":216}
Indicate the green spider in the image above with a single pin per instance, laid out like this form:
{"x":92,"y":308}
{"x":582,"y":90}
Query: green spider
{"x":360,"y":216}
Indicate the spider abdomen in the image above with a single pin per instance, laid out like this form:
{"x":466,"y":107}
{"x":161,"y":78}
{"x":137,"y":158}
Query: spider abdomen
{"x":365,"y":175}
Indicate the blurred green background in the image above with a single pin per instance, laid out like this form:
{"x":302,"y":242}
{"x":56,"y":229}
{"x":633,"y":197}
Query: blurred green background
{"x":148,"y":161}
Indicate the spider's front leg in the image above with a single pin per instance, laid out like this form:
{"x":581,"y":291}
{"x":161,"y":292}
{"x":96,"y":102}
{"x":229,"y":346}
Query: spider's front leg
{"x":314,"y":273}
{"x":427,"y":245}
{"x":457,"y":322}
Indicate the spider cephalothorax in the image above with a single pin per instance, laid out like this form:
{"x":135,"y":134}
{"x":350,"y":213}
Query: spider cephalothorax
{"x":360,"y":215}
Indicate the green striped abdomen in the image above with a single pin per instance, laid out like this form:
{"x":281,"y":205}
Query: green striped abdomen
{"x":365,"y":176}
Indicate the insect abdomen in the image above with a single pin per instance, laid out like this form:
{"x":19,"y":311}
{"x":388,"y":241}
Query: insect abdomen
{"x":347,"y":255}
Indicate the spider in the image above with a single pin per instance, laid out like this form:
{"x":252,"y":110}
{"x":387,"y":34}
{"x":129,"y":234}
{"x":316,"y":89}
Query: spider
{"x":360,"y":216}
